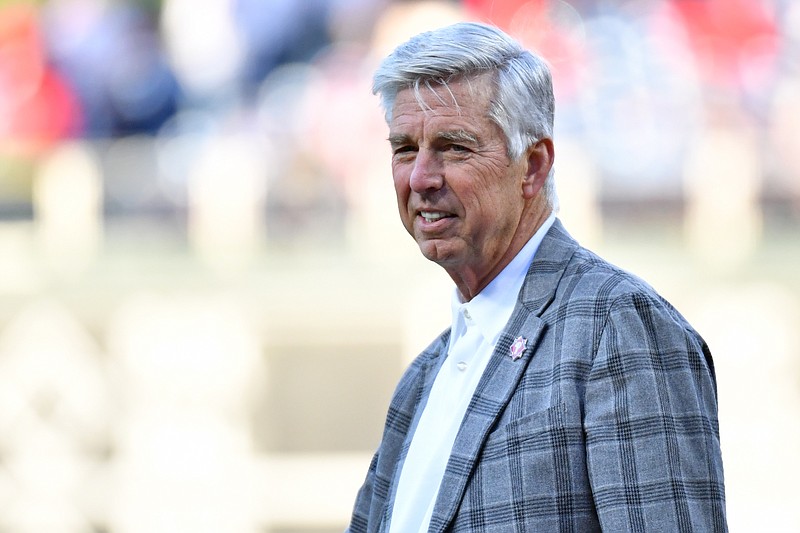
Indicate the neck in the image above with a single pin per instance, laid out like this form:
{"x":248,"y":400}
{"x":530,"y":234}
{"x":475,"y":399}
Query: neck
{"x":470,"y":281}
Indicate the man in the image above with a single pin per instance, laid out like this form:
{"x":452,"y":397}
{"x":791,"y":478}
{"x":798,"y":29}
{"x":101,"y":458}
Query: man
{"x":567,"y":395}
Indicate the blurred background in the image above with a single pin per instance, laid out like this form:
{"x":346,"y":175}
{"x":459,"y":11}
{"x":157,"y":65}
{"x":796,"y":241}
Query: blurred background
{"x":206,"y":297}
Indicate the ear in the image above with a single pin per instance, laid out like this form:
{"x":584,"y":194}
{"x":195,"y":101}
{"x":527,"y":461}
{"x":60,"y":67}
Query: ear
{"x":540,"y":157}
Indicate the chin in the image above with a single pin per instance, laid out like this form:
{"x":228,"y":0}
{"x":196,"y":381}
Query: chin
{"x":437,"y":252}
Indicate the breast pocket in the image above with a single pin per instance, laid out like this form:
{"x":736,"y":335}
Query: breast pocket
{"x":532,"y":468}
{"x":531,"y":432}
{"x":538,"y":453}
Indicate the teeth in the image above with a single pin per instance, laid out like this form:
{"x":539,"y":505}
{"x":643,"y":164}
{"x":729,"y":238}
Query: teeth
{"x":430,"y":216}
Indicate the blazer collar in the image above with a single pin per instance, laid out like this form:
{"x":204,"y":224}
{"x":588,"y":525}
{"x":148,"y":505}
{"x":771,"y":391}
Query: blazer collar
{"x":546,"y":269}
{"x":503,"y":373}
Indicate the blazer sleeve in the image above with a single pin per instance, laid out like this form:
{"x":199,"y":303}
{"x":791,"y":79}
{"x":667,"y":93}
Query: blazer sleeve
{"x":652,"y":434}
{"x":371,"y":502}
{"x":361,"y":509}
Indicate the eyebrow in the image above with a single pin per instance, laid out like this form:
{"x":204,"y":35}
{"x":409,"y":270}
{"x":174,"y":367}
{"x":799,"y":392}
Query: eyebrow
{"x":399,"y":140}
{"x":456,"y":136}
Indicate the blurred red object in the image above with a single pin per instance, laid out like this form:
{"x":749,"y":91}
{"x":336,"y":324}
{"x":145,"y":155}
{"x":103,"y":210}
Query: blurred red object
{"x":37,"y":108}
{"x":733,"y":40}
{"x":500,"y":14}
{"x":546,"y":26}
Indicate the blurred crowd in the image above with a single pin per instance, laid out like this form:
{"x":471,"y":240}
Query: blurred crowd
{"x":638,"y":83}
{"x":125,"y":391}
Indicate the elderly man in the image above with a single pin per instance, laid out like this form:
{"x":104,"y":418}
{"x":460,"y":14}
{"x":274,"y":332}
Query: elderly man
{"x":566,"y":395}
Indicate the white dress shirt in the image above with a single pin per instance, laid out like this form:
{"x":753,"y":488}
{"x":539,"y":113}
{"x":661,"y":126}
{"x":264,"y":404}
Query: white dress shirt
{"x":476,"y":326}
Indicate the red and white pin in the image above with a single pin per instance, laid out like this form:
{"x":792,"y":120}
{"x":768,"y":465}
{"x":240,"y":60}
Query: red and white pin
{"x":520,"y":343}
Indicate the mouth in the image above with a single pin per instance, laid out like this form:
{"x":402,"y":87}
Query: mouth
{"x":434,"y":216}
{"x":434,"y":223}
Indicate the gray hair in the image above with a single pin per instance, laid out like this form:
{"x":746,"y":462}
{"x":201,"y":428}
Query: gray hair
{"x":523,"y":105}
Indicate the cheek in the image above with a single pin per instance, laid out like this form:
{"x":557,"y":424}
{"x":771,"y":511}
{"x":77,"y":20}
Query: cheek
{"x":485,"y":194}
{"x":494,"y":205}
{"x":402,"y":192}
{"x":401,"y":188}
{"x":490,"y":178}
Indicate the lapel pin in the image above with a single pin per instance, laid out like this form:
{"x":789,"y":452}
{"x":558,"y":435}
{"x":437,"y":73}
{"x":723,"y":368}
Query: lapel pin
{"x":518,"y":347}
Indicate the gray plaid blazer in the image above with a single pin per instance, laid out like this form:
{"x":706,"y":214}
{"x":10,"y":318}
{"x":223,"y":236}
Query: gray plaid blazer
{"x":608,"y":421}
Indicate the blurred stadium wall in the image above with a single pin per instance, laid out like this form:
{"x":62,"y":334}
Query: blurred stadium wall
{"x":206,"y":297}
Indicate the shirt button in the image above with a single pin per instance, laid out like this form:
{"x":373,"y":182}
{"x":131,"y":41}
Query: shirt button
{"x":462,"y":365}
{"x":467,"y":315}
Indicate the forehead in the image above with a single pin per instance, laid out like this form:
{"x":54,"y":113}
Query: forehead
{"x":462,"y":99}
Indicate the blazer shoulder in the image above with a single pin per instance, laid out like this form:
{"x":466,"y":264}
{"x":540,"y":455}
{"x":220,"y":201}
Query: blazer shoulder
{"x":431,"y":353}
{"x":589,"y":276}
{"x":414,"y":374}
{"x":563,"y":272}
{"x":589,"y":272}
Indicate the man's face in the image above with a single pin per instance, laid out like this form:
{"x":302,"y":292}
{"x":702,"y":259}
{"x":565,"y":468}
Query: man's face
{"x":458,"y":193}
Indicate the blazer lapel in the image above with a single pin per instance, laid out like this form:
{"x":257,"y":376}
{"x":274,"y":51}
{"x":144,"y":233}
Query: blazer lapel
{"x":435,"y":355}
{"x":499,"y":381}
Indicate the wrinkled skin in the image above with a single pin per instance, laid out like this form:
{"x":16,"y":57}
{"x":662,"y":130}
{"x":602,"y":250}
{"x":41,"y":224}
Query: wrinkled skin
{"x":466,"y":203}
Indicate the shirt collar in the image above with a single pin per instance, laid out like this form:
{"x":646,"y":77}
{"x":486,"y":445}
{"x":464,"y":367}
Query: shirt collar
{"x":491,"y":308}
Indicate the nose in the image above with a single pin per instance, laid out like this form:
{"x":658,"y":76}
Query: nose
{"x":428,"y":171}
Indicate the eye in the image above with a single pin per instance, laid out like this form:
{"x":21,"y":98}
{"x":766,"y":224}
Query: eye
{"x":404,"y":149}
{"x":453,"y":147}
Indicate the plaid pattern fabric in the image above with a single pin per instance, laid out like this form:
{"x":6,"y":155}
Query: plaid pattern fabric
{"x":608,"y":421}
